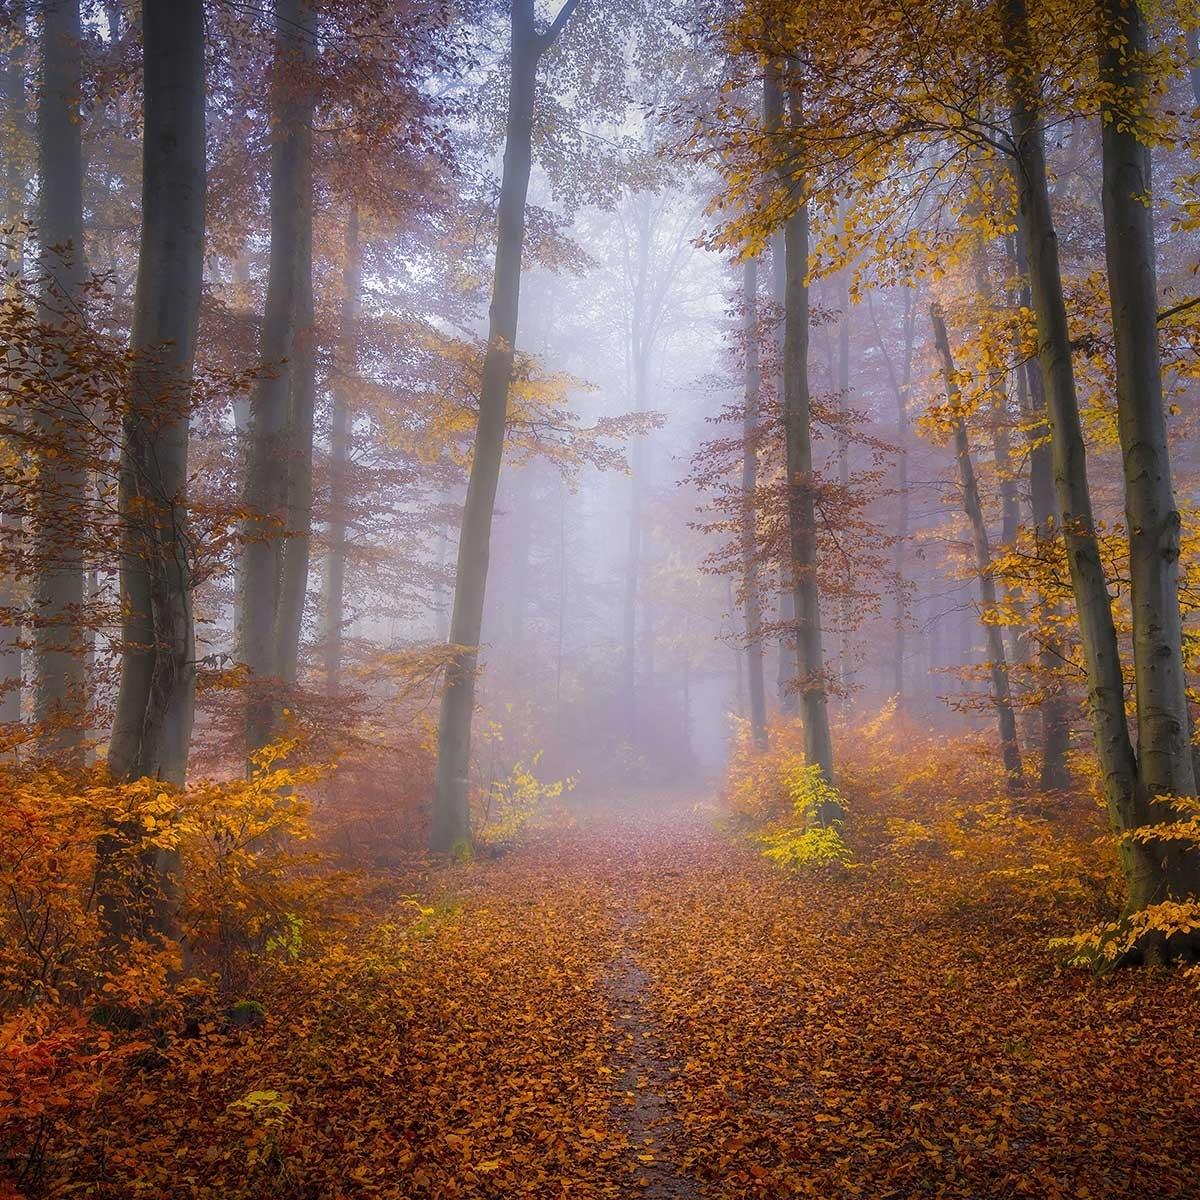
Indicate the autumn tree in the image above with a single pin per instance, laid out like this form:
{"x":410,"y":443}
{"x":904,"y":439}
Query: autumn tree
{"x":152,"y":724}
{"x":59,"y":590}
{"x":277,"y":479}
{"x":451,"y":815}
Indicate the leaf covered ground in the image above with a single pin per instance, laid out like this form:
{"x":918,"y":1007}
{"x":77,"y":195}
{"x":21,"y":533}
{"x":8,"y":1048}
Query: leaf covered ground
{"x":636,"y":1003}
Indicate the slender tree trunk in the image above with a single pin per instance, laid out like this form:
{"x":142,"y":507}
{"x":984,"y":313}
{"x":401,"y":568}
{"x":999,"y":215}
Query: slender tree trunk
{"x":801,"y":482}
{"x":347,"y":365}
{"x":1163,"y":743}
{"x":789,"y":701}
{"x":1010,"y":750}
{"x":302,"y":398}
{"x":10,"y":522}
{"x":1127,"y":805}
{"x":900,"y":387}
{"x":842,"y":383}
{"x":1006,"y":483}
{"x":59,"y":591}
{"x":751,"y":598}
{"x":266,"y":490}
{"x":451,"y":823}
{"x":152,"y":724}
{"x":1056,"y":728}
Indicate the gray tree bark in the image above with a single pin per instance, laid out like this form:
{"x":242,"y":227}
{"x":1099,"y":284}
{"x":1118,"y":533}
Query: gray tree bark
{"x":1152,"y":517}
{"x":153,"y":720}
{"x":60,"y":587}
{"x":15,"y":172}
{"x":752,"y":600}
{"x":451,"y":818}
{"x":1031,"y":394}
{"x":1126,"y":799}
{"x":347,"y":364}
{"x":266,"y":483}
{"x":801,"y":482}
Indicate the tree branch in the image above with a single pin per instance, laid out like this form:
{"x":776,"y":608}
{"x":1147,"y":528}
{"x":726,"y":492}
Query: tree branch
{"x":547,"y":39}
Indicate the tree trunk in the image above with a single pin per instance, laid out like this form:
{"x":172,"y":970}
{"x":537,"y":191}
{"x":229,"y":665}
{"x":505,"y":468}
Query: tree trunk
{"x":59,"y":590}
{"x":751,"y":598}
{"x":451,"y":823}
{"x":10,"y":523}
{"x":801,"y":484}
{"x":302,"y":398}
{"x":789,"y":702}
{"x":1126,"y":801}
{"x":842,"y":384}
{"x":900,"y":387}
{"x":1056,"y":729}
{"x":266,"y":484}
{"x":1152,"y":517}
{"x":335,"y":573}
{"x":1006,"y":483}
{"x":1010,"y":750}
{"x":152,"y":724}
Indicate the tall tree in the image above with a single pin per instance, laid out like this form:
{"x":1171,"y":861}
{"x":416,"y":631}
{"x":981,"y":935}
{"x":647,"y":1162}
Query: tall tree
{"x":1145,"y":864}
{"x":153,"y":720}
{"x":1031,"y":399}
{"x":451,"y":822}
{"x":340,"y":425}
{"x":997,"y":662}
{"x":751,"y":599}
{"x":280,"y":394}
{"x":12,"y":94}
{"x":801,"y":478}
{"x":62,"y":480}
{"x":1153,"y":522}
{"x":899,"y":385}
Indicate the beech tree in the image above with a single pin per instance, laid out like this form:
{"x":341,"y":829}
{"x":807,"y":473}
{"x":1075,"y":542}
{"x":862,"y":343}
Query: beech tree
{"x":60,"y":586}
{"x":751,"y":599}
{"x":152,"y":724}
{"x":997,"y":662}
{"x":451,"y":813}
{"x":279,"y":446}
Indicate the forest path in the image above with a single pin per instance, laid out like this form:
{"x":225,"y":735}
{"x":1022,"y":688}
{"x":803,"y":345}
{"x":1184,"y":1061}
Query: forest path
{"x":633,"y":1003}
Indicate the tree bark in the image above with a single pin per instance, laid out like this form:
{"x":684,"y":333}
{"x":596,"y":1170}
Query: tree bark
{"x":900,"y":387}
{"x":302,"y":398}
{"x":60,"y":587}
{"x":1010,"y":750}
{"x":335,"y":576}
{"x":152,"y":725}
{"x":842,"y":384}
{"x":749,"y":531}
{"x":1152,"y":517}
{"x":451,"y":818}
{"x":266,"y":483}
{"x":1031,"y":392}
{"x":15,"y":127}
{"x":1126,"y":801}
{"x":789,"y":702}
{"x":801,"y":484}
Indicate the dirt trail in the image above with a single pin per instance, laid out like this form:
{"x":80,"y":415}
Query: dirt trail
{"x":705,"y":1026}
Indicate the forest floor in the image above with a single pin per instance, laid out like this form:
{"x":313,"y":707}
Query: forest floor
{"x":634,"y":1003}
